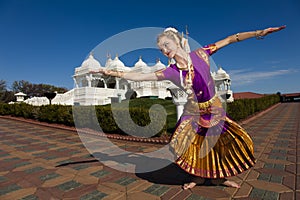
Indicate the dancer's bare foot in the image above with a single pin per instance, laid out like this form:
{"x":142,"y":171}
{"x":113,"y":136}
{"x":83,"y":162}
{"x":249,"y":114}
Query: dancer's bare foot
{"x":189,"y":185}
{"x":231,"y":184}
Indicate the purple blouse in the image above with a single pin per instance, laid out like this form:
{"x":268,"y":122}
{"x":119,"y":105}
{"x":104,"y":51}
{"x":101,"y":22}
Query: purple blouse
{"x":203,"y":84}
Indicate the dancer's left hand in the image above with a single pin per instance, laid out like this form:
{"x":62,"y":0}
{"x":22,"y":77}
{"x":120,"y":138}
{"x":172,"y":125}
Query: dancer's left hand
{"x":271,"y":30}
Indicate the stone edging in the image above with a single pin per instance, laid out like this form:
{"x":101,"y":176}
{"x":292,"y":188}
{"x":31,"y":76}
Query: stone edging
{"x":88,"y":131}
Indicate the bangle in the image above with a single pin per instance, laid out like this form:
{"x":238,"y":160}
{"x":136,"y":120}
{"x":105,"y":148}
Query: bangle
{"x":237,"y":37}
{"x":258,"y":37}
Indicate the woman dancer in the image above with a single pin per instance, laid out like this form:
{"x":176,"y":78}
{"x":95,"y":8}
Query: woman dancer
{"x":206,"y":142}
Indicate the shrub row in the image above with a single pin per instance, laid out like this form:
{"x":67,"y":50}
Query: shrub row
{"x":136,"y":120}
{"x":49,"y":113}
{"x":242,"y":108}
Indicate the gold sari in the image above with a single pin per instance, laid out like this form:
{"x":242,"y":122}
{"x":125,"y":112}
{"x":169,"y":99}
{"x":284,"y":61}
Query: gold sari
{"x":209,"y":144}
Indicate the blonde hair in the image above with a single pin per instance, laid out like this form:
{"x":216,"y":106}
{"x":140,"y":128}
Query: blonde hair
{"x":171,"y":34}
{"x":174,"y":35}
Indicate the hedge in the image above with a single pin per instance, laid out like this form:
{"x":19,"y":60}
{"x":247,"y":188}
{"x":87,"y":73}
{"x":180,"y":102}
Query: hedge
{"x":134,"y":121}
{"x":99,"y":118}
{"x":242,"y":108}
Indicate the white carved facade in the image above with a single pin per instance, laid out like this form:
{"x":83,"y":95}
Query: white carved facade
{"x":222,"y":84}
{"x":97,"y":89}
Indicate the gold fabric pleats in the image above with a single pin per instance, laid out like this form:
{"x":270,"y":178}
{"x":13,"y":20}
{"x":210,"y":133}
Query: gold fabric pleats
{"x":220,"y":151}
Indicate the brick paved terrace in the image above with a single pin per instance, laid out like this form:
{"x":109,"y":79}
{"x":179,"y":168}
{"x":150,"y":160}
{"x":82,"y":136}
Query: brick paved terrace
{"x":49,"y":162}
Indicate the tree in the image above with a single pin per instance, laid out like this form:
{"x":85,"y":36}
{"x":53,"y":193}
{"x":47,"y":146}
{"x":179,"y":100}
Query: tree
{"x":2,"y":86}
{"x":5,"y":96}
{"x":22,"y":86}
{"x":36,"y":90}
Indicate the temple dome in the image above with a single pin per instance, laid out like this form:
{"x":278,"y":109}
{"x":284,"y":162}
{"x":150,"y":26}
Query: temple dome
{"x":221,"y":71}
{"x":159,"y":65}
{"x":140,"y":63}
{"x":91,"y":63}
{"x":221,"y":74}
{"x":118,"y":62}
{"x":108,"y":62}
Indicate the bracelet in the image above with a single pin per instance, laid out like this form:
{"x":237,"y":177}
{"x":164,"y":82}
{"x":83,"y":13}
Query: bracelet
{"x":258,"y":37}
{"x":237,"y":37}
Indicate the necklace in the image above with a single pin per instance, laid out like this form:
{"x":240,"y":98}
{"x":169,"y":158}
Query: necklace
{"x":188,"y":78}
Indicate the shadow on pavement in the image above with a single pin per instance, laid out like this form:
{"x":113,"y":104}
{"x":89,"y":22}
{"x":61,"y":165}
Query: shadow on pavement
{"x":169,"y":174}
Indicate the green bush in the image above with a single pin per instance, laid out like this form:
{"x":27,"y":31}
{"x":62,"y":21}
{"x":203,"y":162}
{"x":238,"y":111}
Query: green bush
{"x":119,"y":120}
{"x":19,"y":110}
{"x":134,"y":121}
{"x":243,"y":108}
{"x":5,"y":109}
{"x":56,"y":114}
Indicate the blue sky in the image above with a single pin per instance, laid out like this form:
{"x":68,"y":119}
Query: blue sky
{"x":42,"y":41}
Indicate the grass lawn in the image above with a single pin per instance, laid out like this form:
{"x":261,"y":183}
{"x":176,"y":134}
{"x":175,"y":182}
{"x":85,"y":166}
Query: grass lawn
{"x":167,"y":104}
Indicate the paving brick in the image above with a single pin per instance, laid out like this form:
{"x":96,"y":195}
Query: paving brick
{"x":263,"y":194}
{"x":100,"y":173}
{"x":244,"y":174}
{"x":9,"y":188}
{"x":95,"y":194}
{"x":46,"y":194}
{"x":139,"y":185}
{"x":274,"y":171}
{"x":80,"y":191}
{"x":69,"y":185}
{"x":57,"y":157}
{"x":298,"y":181}
{"x":157,"y":190}
{"x":57,"y":181}
{"x":114,"y":186}
{"x":107,"y":189}
{"x":292,"y":152}
{"x":297,"y":195}
{"x":277,"y":161}
{"x":196,"y":197}
{"x":290,"y":181}
{"x":259,"y":164}
{"x":65,"y":170}
{"x":18,"y":194}
{"x":141,"y":195}
{"x":171,"y":193}
{"x":183,"y":194}
{"x":30,"y":197}
{"x":86,"y":180}
{"x":292,"y":159}
{"x":287,"y":196}
{"x":49,"y":176}
{"x":210,"y":192}
{"x":244,"y":191}
{"x":265,"y":185}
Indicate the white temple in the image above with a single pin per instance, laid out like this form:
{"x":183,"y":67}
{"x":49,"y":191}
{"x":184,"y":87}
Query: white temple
{"x":97,"y":89}
{"x":223,"y":83}
{"x":20,"y":96}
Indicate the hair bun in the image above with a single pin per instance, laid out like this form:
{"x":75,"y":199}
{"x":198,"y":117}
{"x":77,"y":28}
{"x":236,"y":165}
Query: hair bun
{"x":171,"y":29}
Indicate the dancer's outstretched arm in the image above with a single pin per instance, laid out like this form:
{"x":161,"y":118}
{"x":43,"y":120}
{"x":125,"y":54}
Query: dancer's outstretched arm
{"x":129,"y":75}
{"x":259,"y":34}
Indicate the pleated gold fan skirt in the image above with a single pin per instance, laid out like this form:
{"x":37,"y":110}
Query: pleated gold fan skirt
{"x":211,"y":145}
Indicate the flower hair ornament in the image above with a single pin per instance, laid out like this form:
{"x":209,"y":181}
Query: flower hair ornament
{"x":184,"y":41}
{"x":171,"y":29}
